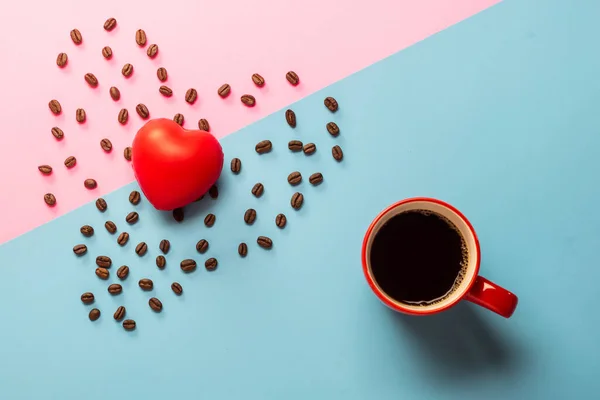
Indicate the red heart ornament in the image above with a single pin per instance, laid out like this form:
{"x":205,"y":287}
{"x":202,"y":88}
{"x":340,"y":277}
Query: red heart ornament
{"x":175,"y":166}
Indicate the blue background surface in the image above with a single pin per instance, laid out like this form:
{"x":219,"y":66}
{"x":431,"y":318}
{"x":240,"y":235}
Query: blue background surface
{"x":497,"y":115}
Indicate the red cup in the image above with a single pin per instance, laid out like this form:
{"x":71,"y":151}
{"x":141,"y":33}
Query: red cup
{"x":473,"y":287}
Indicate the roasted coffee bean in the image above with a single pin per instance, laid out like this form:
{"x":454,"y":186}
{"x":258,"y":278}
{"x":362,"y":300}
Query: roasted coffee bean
{"x":178,"y":214}
{"x":290,"y":117}
{"x":57,"y":133}
{"x":211,"y":264}
{"x":161,"y":261}
{"x":76,"y":36}
{"x":129,"y":324}
{"x":258,"y":80}
{"x":123,"y":238}
{"x":248,"y":100}
{"x":55,"y":107}
{"x":264,"y":242}
{"x":87,"y":298}
{"x":110,"y":24}
{"x":115,"y":288}
{"x":203,"y":125}
{"x":102,"y":273}
{"x":141,"y":248}
{"x":50,"y":199}
{"x":162,"y":74}
{"x":152,"y":50}
{"x":87,"y":231}
{"x":155,"y":304}
{"x":188,"y":265}
{"x":140,"y":37}
{"x":331,"y":104}
{"x":165,"y":91}
{"x":146,"y":284}
{"x":94,"y":314}
{"x":135,"y":197}
{"x":62,"y":59}
{"x":177,"y":289}
{"x":224,"y":90}
{"x":309,"y":148}
{"x":264,"y":146}
{"x":90,"y":184}
{"x":250,"y":216}
{"x":258,"y":190}
{"x":91,"y":79}
{"x":337,"y":153}
{"x":127,"y":153}
{"x":142,"y":111}
{"x":70,"y":162}
{"x":115,"y":93}
{"x":280,"y":221}
{"x":213,"y":192}
{"x":80,"y":249}
{"x":80,"y":115}
{"x":119,"y":313}
{"x":292,"y":78}
{"x":295,"y":145}
{"x":243,"y":249}
{"x":316,"y":178}
{"x":110,"y":227}
{"x":132,"y":217}
{"x":164,"y":246}
{"x":297,"y":200}
{"x":123,"y":272}
{"x":123,"y":116}
{"x":179,"y":119}
{"x":101,"y":204}
{"x":333,"y":129}
{"x":209,"y":220}
{"x":236,"y":165}
{"x":191,"y":95}
{"x":103,"y":261}
{"x":127,"y":70}
{"x":106,"y":145}
{"x":45,"y":169}
{"x":202,"y":246}
{"x":294,"y":178}
{"x":107,"y":52}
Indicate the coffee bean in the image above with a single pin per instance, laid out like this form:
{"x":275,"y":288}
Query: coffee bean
{"x":316,"y":178}
{"x":152,"y":51}
{"x":177,"y":289}
{"x":165,"y":91}
{"x":258,"y":190}
{"x":80,"y":115}
{"x":209,"y":220}
{"x":127,"y":70}
{"x":132,"y":217}
{"x":146,"y":284}
{"x":135,"y":197}
{"x":224,"y":90}
{"x":94,"y":314}
{"x":70,"y":162}
{"x":123,"y":272}
{"x":178,"y":214}
{"x":290,"y":117}
{"x":110,"y":227}
{"x":280,"y":221}
{"x":123,"y":239}
{"x":292,"y":78}
{"x":50,"y":199}
{"x":203,"y":125}
{"x":258,"y":80}
{"x":106,"y":145}
{"x":115,"y":288}
{"x":162,"y":74}
{"x":179,"y":119}
{"x":264,"y":242}
{"x":87,"y":231}
{"x":87,"y":298}
{"x":331,"y":104}
{"x":141,"y":249}
{"x":213,"y":192}
{"x":243,"y":249}
{"x":45,"y":169}
{"x":115,"y":93}
{"x":161,"y":261}
{"x":119,"y":313}
{"x":164,"y":246}
{"x":62,"y":59}
{"x":103,"y":261}
{"x":264,"y":146}
{"x":76,"y":36}
{"x":248,"y":100}
{"x":91,"y":79}
{"x":250,"y":216}
{"x":295,"y":145}
{"x":102,"y":273}
{"x":297,"y":200}
{"x":309,"y":148}
{"x":211,"y":264}
{"x":57,"y":133}
{"x":80,"y":249}
{"x":110,"y":24}
{"x":127,"y":153}
{"x":90,"y":184}
{"x":202,"y":246}
{"x":142,"y":111}
{"x":188,"y":265}
{"x":123,"y":116}
{"x":107,"y":52}
{"x":337,"y":153}
{"x":155,"y":304}
{"x":294,"y":178}
{"x":191,"y":95}
{"x":333,"y":129}
{"x":236,"y":165}
{"x":140,"y":37}
{"x":129,"y":324}
{"x":101,"y":204}
{"x":55,"y":107}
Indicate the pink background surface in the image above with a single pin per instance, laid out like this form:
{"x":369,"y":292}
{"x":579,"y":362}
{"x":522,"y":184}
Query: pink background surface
{"x":202,"y":44}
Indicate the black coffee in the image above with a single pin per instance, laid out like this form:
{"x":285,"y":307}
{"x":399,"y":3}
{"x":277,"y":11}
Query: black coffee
{"x":418,"y":257}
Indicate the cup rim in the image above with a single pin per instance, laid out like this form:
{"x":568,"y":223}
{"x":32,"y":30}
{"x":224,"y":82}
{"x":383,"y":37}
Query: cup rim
{"x":397,"y":305}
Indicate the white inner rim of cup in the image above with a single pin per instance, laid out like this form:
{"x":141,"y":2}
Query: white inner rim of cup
{"x":464,"y":230}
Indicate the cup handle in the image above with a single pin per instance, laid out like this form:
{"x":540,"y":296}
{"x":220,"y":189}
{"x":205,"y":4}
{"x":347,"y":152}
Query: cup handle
{"x":493,"y":297}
